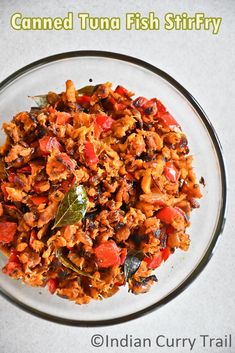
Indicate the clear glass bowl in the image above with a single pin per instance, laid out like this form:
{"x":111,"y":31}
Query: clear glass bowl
{"x":206,"y":222}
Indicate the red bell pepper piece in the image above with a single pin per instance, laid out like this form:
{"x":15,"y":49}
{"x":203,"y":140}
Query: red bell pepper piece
{"x":83,"y":99}
{"x":167,"y":120}
{"x":117,"y":106}
{"x":7,"y":231}
{"x":161,"y":109}
{"x":123,"y":254}
{"x":107,"y":254}
{"x":147,"y":107}
{"x":38,"y":200}
{"x":68,"y":184}
{"x":170,"y":230}
{"x":13,"y":263}
{"x":154,"y":261}
{"x":52,"y":284}
{"x":11,"y":267}
{"x":140,"y":102}
{"x":171,"y":173}
{"x":168,"y":214}
{"x":104,"y":121}
{"x":166,"y":253}
{"x":62,"y":118}
{"x":14,"y":256}
{"x":150,"y":107}
{"x":90,"y":155}
{"x":122,"y":91}
{"x":48,"y":143}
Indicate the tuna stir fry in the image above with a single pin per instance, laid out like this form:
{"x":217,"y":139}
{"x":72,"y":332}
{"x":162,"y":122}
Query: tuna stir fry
{"x":96,"y":192}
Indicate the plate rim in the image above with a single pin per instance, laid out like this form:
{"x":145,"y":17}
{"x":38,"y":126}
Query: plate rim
{"x":219,"y":152}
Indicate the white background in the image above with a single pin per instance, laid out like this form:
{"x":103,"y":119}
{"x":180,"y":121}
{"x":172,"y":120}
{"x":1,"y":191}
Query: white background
{"x":204,"y":64}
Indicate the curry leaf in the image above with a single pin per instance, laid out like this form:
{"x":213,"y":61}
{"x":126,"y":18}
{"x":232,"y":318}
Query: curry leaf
{"x":72,"y":208}
{"x":40,"y":100}
{"x":132,"y":263}
{"x":87,"y":90}
{"x":66,"y":262}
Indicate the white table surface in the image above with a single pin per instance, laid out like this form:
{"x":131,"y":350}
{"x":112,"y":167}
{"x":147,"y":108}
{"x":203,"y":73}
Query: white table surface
{"x":202,"y":62}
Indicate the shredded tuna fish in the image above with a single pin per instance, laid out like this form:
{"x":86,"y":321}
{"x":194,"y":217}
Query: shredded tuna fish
{"x":131,"y":158}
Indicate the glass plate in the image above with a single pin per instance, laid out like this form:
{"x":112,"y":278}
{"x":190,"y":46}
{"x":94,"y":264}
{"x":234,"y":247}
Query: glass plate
{"x":207,"y":222}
